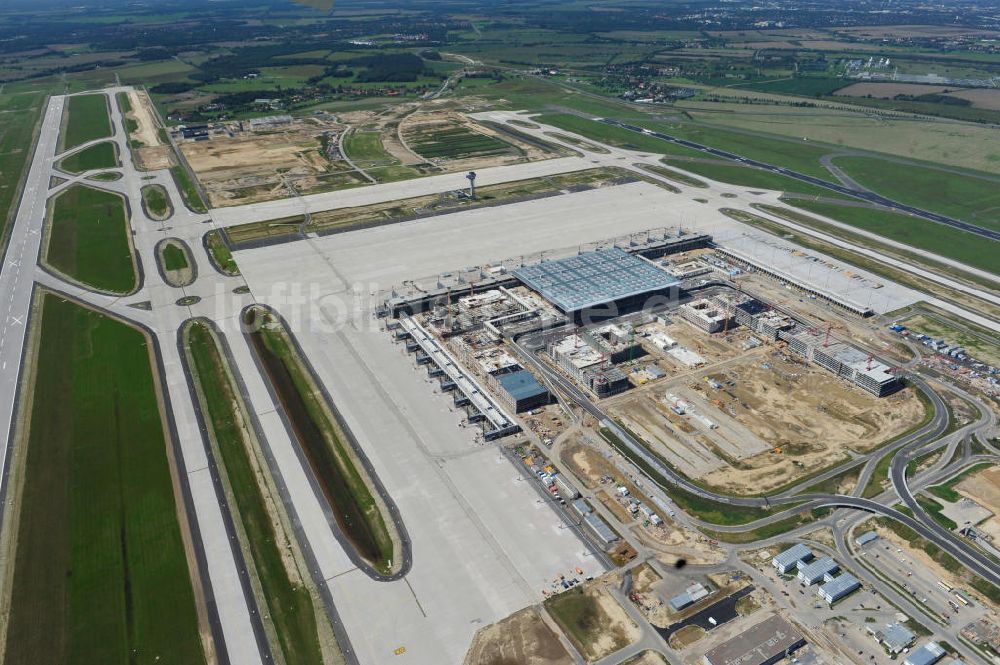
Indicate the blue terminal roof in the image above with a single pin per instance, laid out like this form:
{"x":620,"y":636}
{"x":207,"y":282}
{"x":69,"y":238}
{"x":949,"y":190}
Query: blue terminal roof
{"x":521,"y":385}
{"x":593,"y":278}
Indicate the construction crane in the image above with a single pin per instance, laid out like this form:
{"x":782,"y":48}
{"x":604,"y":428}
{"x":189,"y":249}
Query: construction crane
{"x":829,"y":326}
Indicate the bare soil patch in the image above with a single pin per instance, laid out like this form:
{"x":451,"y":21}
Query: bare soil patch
{"x":522,"y":638}
{"x":984,"y":489}
{"x":243,"y":166}
{"x":593,"y":620}
{"x":981,"y":98}
{"x":810,"y":417}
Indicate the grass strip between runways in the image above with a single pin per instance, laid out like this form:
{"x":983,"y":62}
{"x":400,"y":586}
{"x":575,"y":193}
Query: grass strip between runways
{"x":289,"y":604}
{"x":89,"y":239}
{"x":100,"y":573}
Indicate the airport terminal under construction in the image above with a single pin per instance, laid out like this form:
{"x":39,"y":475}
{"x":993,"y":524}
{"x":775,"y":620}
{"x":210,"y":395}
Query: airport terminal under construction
{"x":599,"y":314}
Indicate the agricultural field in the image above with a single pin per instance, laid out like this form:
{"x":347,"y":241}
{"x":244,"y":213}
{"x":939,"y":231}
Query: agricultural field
{"x":85,"y":118}
{"x":970,"y":249}
{"x":452,"y":138}
{"x":287,"y":602}
{"x":975,"y":200}
{"x":100,"y":156}
{"x":454,"y":141}
{"x":89,"y":239}
{"x":100,"y":570}
{"x":974,"y":147}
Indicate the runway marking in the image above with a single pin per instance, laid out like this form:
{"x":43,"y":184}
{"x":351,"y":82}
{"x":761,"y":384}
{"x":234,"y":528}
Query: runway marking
{"x":333,"y":577}
{"x":415,"y":599}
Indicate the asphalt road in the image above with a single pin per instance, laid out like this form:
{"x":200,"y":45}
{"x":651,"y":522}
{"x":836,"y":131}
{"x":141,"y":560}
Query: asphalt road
{"x":17,"y":276}
{"x":871,"y":197}
{"x":233,"y":616}
{"x":922,"y":523}
{"x":722,"y":611}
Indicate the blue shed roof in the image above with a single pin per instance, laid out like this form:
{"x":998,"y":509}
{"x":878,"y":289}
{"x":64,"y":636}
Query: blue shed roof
{"x":522,"y":385}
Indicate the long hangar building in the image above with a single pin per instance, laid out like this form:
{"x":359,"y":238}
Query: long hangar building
{"x":598,"y":284}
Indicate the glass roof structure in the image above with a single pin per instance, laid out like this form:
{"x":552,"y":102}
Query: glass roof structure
{"x":594,"y":278}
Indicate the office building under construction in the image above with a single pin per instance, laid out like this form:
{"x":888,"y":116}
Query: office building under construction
{"x":861,"y":369}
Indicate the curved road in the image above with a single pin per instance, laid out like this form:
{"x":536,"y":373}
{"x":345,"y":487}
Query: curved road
{"x":921,"y":523}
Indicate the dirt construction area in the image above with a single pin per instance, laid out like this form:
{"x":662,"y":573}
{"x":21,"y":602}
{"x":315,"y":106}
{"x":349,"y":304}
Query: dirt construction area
{"x":760,"y":421}
{"x":239,"y":165}
{"x":593,"y":620}
{"x":669,"y":539}
{"x":522,"y":638}
{"x":809,"y":418}
{"x":151,"y":153}
{"x":984,"y":489}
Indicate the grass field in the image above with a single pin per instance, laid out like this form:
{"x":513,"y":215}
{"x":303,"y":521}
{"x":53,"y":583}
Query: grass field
{"x":827,"y":130}
{"x":174,"y":258}
{"x":974,"y":200}
{"x":89,"y":239}
{"x":803,"y":86}
{"x":124,"y":105}
{"x":923,"y":234}
{"x":455,"y":142}
{"x":100,"y":156}
{"x":157,"y":201}
{"x":586,"y":622}
{"x":798,"y":155}
{"x":87,"y":120}
{"x":745,"y":176}
{"x":324,"y":444}
{"x":671,"y":174}
{"x":192,"y":199}
{"x":100,"y":573}
{"x":365,"y":149}
{"x":980,"y":343}
{"x":288,"y":603}
{"x":220,"y":254}
{"x":20,"y":114}
{"x":947,"y":490}
{"x":614,"y":136}
{"x":763,"y":532}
